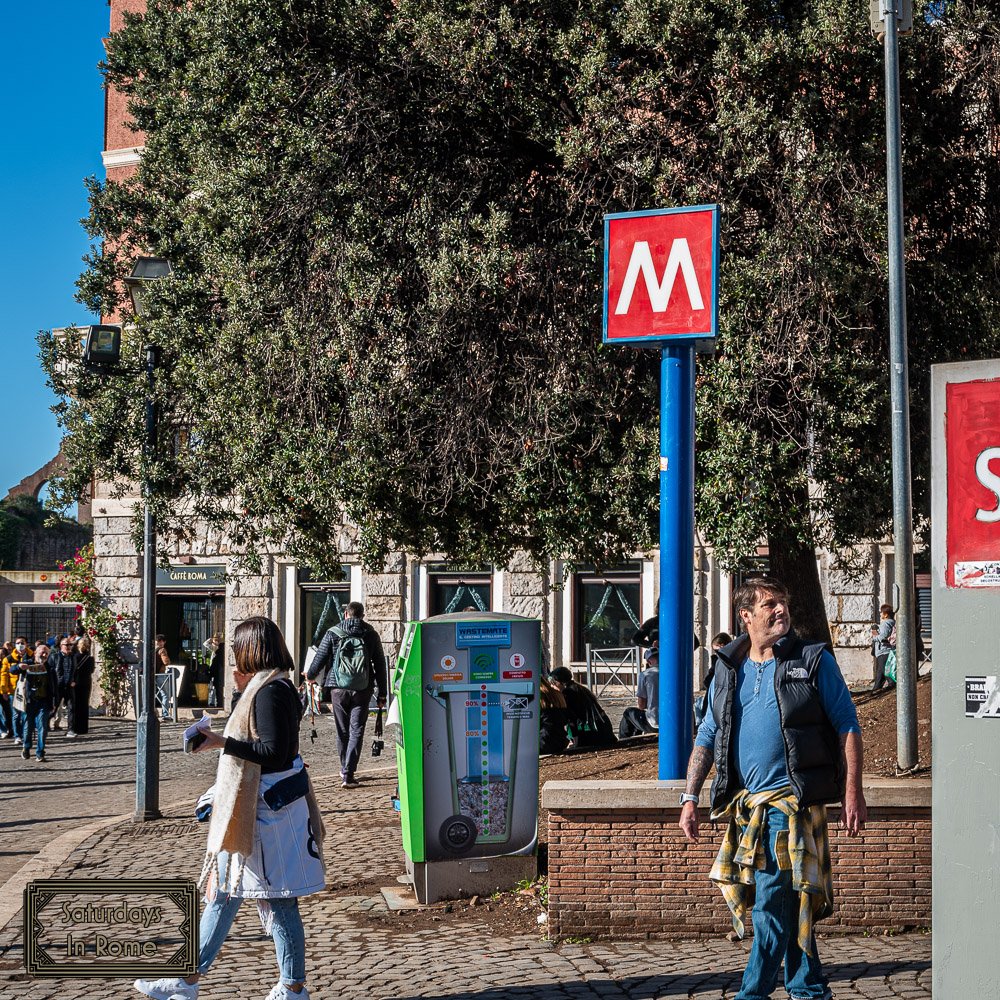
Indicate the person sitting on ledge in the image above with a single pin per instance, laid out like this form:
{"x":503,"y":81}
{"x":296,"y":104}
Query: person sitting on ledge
{"x":588,"y":723}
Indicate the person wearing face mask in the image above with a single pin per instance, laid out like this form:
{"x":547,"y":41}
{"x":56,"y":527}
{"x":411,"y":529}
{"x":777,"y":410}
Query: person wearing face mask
{"x":14,"y":657}
{"x":6,"y":694}
{"x":41,"y":691}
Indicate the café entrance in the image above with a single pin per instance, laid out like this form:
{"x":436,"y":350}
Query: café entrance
{"x":190,"y":610}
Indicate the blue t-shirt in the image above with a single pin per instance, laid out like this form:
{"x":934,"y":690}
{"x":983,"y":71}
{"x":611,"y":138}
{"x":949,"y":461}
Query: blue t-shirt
{"x":760,"y":749}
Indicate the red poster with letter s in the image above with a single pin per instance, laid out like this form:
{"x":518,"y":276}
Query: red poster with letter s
{"x":972,"y":441}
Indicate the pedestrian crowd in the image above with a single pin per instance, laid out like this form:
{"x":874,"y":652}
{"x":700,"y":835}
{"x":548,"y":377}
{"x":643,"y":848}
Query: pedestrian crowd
{"x":40,"y":684}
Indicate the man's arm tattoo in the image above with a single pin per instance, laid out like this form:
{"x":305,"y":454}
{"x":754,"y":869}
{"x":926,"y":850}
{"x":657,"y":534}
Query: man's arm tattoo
{"x":698,"y":767}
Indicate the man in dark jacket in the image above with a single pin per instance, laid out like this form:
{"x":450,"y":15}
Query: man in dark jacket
{"x":351,"y":663}
{"x":783,"y":734}
{"x":64,"y":662}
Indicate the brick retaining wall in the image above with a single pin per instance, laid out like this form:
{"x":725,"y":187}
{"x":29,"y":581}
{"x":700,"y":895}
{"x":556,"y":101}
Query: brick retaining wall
{"x":620,"y":867}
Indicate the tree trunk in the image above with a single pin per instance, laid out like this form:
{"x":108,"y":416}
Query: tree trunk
{"x":793,"y":562}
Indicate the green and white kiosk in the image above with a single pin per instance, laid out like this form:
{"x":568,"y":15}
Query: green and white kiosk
{"x":467,"y":752}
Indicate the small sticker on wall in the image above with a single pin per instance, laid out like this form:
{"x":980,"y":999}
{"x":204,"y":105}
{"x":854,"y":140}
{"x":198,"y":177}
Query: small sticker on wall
{"x":448,"y":663}
{"x":977,"y":574}
{"x":982,"y":697}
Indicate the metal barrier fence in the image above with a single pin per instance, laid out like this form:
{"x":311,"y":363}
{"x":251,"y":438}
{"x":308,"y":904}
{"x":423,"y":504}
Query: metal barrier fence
{"x":612,"y":665}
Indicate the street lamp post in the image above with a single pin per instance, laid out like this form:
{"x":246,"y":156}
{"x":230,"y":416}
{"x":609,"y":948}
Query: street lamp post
{"x":147,"y":751}
{"x":102,"y":352}
{"x":147,"y":746}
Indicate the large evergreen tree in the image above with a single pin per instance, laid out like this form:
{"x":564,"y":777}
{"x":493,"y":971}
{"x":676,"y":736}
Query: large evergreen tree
{"x":384,"y":218}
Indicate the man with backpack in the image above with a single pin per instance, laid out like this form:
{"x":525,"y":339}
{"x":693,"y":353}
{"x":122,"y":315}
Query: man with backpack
{"x":351,"y":663}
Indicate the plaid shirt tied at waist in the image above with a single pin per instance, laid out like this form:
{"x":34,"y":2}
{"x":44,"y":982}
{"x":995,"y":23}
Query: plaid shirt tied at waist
{"x":803,"y":848}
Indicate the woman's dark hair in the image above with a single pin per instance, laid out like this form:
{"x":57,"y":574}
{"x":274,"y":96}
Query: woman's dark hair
{"x":561,"y":674}
{"x":259,"y":645}
{"x":886,"y":611}
{"x":722,"y":639}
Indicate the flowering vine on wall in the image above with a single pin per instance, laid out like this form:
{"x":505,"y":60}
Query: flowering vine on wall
{"x":78,"y":586}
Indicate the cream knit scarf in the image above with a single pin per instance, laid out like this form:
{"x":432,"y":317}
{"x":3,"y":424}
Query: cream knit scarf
{"x":237,"y":783}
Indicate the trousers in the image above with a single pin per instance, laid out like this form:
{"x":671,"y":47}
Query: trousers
{"x":286,"y":930}
{"x":350,"y":716}
{"x":775,"y":932}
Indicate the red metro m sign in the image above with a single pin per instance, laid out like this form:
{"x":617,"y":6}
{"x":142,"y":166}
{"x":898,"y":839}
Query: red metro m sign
{"x":661,"y":273}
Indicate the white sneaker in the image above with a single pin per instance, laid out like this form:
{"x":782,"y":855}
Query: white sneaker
{"x":70,"y":735}
{"x":282,"y":992}
{"x":167,"y":989}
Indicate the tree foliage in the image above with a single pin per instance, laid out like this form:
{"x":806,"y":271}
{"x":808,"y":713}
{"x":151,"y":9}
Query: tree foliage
{"x":385,"y":224}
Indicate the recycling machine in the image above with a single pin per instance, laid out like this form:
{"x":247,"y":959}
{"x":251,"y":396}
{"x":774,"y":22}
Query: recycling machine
{"x":467,"y":752}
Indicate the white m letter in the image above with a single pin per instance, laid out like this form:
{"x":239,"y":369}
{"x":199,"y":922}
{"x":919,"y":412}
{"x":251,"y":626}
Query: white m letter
{"x":991,"y":481}
{"x":659,"y":292}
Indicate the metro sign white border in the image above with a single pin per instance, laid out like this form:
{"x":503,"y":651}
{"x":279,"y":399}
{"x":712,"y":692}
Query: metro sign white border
{"x":679,"y":273}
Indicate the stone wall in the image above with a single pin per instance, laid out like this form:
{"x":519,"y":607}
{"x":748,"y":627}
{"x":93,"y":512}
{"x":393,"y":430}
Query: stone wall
{"x":853,"y":586}
{"x":619,"y":866}
{"x":385,"y":601}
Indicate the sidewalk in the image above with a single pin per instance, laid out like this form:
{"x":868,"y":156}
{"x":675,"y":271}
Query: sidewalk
{"x":358,"y":949}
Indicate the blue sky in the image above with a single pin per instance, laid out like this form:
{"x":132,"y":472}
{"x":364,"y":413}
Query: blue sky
{"x":52,"y":112}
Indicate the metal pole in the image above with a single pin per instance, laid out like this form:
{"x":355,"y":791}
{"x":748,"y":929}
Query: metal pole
{"x":676,"y":627}
{"x":147,"y":749}
{"x":902,"y":515}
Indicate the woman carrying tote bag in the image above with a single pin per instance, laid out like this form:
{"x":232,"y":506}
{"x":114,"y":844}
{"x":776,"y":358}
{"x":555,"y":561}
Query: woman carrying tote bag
{"x":265,"y":836}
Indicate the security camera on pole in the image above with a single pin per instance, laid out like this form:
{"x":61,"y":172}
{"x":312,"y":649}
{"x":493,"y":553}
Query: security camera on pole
{"x":661,"y":272}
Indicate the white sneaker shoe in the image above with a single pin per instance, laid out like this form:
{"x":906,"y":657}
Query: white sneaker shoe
{"x":167,"y":989}
{"x":282,"y":992}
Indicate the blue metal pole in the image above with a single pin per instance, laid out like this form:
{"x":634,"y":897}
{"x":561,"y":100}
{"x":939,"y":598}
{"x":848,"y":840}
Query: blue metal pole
{"x":676,"y":558}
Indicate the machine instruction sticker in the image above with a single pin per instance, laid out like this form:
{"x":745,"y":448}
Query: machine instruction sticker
{"x":982,"y":698}
{"x":516,"y":707}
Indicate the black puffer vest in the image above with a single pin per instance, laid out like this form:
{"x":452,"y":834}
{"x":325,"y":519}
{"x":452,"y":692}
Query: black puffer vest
{"x":812,"y":747}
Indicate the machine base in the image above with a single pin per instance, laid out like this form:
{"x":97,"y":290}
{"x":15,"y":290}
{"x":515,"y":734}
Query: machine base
{"x":464,"y":877}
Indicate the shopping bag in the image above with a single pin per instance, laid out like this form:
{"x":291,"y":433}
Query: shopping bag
{"x":890,"y":667}
{"x":20,"y":699}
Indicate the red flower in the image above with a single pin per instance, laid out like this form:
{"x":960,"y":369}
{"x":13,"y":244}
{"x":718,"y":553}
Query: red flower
{"x":52,"y":598}
{"x":79,"y":609}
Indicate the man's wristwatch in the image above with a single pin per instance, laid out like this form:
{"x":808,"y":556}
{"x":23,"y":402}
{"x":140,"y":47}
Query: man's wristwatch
{"x":688,"y":797}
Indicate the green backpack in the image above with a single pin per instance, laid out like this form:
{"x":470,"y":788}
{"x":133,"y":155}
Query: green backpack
{"x":350,"y":671}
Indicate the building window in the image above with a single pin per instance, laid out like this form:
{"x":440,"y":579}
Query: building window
{"x":605,"y":608}
{"x":450,"y":590}
{"x":41,"y":621}
{"x":321,"y":607}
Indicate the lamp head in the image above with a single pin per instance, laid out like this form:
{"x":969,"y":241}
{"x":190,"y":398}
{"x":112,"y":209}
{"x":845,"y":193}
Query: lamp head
{"x":104,"y":346}
{"x":146,"y":269}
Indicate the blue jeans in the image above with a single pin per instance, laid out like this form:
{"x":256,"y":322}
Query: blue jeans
{"x":287,"y":931}
{"x":18,"y":723}
{"x":775,"y":932}
{"x":36,"y":718}
{"x":6,"y":714}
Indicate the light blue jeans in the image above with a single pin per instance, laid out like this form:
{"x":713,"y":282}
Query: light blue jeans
{"x":775,"y":932}
{"x":287,"y":931}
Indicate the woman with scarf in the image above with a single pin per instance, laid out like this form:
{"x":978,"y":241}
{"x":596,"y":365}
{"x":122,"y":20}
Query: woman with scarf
{"x":265,"y":837}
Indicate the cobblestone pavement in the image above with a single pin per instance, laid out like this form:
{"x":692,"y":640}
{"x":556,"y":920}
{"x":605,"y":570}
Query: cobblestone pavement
{"x":42,"y":800}
{"x":351,"y":955}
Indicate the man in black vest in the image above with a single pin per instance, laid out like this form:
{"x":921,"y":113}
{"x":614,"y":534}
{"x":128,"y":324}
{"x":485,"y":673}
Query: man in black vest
{"x":783,"y":734}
